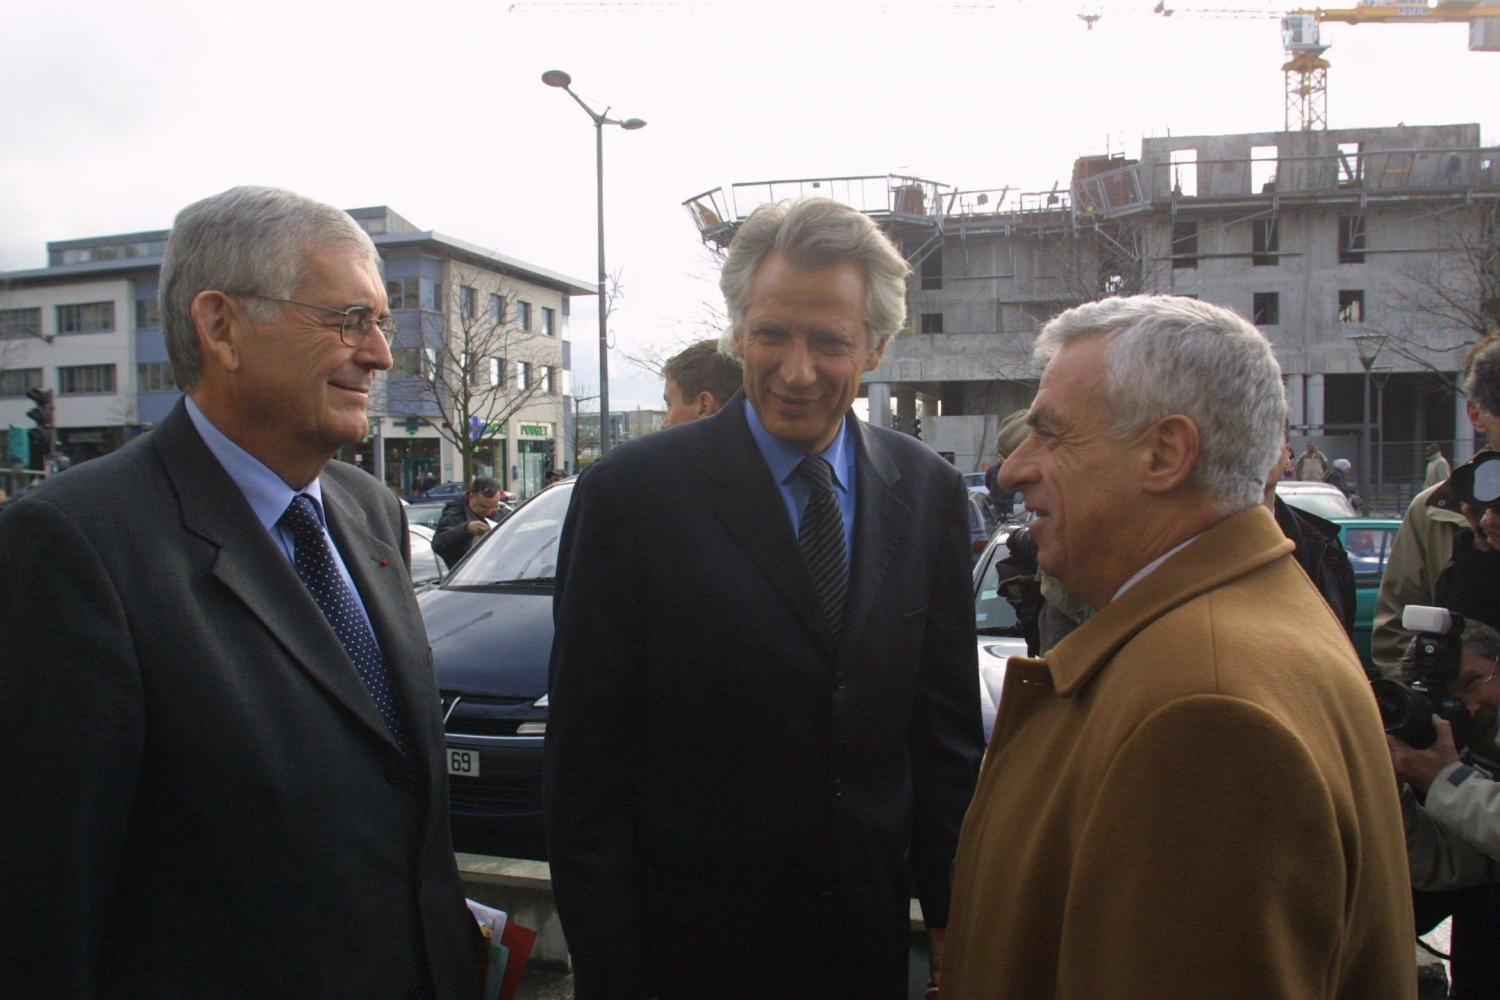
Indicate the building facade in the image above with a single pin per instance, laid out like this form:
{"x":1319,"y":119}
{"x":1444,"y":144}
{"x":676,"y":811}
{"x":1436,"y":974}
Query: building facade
{"x":477,"y":331}
{"x":1349,"y":248}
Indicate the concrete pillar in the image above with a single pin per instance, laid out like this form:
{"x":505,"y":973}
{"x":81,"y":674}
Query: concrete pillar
{"x":1296,"y":407}
{"x":1314,"y":405}
{"x":1463,"y":431}
{"x":879,"y":395}
{"x":906,"y":408}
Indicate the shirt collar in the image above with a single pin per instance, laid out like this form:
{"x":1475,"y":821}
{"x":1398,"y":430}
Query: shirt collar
{"x":1152,"y":567}
{"x":268,"y":495}
{"x":783,"y":459}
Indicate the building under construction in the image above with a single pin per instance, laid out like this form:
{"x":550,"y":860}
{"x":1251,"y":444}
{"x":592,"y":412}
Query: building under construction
{"x":1369,"y":257}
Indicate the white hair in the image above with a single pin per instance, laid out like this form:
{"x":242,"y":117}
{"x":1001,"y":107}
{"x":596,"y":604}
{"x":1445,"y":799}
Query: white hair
{"x":1171,"y":355}
{"x":246,"y":239}
{"x":815,"y":233}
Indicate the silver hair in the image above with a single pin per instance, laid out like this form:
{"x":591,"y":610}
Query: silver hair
{"x":816,"y":233}
{"x":246,"y":239}
{"x":1481,"y":639}
{"x":1481,"y":376}
{"x":1168,"y":354}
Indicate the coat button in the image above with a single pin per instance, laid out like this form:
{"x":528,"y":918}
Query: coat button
{"x":838,"y":788}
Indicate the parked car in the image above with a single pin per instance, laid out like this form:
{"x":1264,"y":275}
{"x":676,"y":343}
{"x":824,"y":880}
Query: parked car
{"x":981,"y":525}
{"x":490,"y":625}
{"x":426,"y":568}
{"x":441,"y":492}
{"x":1368,"y":541}
{"x":1321,"y":499}
{"x":995,"y":621}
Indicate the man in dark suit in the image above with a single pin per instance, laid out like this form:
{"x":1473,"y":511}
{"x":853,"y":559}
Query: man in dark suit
{"x":764,"y":696}
{"x":222,"y":766}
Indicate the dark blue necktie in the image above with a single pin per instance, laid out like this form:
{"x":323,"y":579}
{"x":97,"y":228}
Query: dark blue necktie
{"x":315,"y":565}
{"x":821,"y":539}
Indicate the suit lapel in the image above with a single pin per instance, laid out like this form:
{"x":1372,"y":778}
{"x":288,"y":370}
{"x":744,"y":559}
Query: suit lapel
{"x":879,"y":523}
{"x":251,"y":566}
{"x":748,"y":503}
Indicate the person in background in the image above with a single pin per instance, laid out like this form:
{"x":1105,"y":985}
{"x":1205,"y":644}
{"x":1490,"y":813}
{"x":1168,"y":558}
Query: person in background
{"x":465,"y":518}
{"x":1312,"y":465}
{"x":698,"y":382}
{"x":1438,"y":469}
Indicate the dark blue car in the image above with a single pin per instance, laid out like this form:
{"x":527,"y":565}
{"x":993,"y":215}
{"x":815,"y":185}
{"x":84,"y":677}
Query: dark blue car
{"x":490,"y":625}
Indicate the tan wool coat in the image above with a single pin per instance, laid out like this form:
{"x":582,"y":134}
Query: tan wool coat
{"x":1190,"y":797}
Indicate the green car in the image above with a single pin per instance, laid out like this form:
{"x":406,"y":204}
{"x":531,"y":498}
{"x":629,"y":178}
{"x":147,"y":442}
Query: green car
{"x":1368,"y":541}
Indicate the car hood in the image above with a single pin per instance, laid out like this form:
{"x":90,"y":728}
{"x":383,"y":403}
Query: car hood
{"x":491,"y":642}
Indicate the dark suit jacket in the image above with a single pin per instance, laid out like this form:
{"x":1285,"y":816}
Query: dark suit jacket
{"x":734,"y":802}
{"x":200,"y":798}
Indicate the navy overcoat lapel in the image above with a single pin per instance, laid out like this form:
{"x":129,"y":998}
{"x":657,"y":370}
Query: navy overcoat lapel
{"x":880,"y":521}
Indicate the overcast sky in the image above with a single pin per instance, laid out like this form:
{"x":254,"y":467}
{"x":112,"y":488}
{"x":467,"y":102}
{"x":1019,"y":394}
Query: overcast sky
{"x":118,"y":114}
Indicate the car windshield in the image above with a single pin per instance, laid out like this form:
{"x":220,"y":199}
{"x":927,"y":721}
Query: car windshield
{"x":523,"y":548}
{"x":992,"y":612}
{"x":425,"y":514}
{"x":1368,"y":548}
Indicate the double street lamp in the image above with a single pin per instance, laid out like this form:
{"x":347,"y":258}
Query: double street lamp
{"x":557,"y":78}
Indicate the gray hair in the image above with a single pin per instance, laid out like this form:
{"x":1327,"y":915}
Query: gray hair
{"x":1481,"y":377}
{"x":1169,"y":355}
{"x":816,"y":233}
{"x":246,"y":239}
{"x":1481,"y":639}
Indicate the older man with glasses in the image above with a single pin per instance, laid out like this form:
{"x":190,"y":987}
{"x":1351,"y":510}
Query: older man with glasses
{"x":223,"y":750}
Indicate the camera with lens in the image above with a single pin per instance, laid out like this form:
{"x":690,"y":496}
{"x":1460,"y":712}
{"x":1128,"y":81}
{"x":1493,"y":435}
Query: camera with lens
{"x":1434,"y":657}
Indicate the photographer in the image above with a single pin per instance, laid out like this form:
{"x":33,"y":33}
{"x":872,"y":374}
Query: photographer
{"x":1453,"y":835}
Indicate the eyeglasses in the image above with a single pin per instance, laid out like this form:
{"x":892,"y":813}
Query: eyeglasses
{"x":356,"y":321}
{"x":1475,"y":683}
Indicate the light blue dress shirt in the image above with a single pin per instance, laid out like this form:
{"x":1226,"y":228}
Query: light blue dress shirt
{"x":783,"y":460}
{"x":268,"y":494}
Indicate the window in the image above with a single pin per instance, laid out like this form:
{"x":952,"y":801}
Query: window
{"x":932,"y":271}
{"x":549,"y":322}
{"x":549,"y":380}
{"x":147,"y":313}
{"x":523,"y":315}
{"x":1266,"y":309}
{"x":1263,"y":169}
{"x":497,"y":309}
{"x":16,"y":324}
{"x":1351,"y":167}
{"x":87,"y":317}
{"x":431,"y":294}
{"x":154,"y":376}
{"x":1184,"y":245}
{"x":932,"y":322}
{"x":1352,"y":306}
{"x":86,"y":380}
{"x":19,"y":381}
{"x":497,"y":371}
{"x":413,"y":362}
{"x":523,"y":376}
{"x":1265,"y":241}
{"x":1185,"y":172}
{"x":467,"y":301}
{"x":1351,"y":239}
{"x":413,"y":293}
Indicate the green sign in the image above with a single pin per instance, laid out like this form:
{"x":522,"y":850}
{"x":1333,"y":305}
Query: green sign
{"x":536,"y":430}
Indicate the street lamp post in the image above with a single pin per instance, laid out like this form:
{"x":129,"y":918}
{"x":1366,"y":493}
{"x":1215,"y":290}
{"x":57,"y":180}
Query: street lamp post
{"x":1368,"y":345}
{"x":557,"y":78}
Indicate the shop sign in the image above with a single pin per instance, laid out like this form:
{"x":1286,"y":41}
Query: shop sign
{"x":536,"y":430}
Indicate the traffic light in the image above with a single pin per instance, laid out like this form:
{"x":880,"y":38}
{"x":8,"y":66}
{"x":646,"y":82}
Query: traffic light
{"x":41,"y":414}
{"x":916,"y":428}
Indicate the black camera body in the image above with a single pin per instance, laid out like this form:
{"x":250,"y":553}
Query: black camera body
{"x":1434,"y":657}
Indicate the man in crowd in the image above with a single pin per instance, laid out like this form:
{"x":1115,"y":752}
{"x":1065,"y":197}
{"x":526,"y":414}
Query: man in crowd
{"x":223,"y":754}
{"x":1453,"y":834}
{"x":1438,"y":469}
{"x":1424,"y":543}
{"x":1318,"y":549}
{"x":699,"y":381}
{"x":1190,"y":795}
{"x":1312,"y":466}
{"x":465,"y":518}
{"x":764,"y":705}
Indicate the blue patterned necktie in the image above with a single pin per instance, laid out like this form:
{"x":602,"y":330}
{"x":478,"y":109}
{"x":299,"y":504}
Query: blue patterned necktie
{"x":315,"y":565}
{"x":821,"y":539}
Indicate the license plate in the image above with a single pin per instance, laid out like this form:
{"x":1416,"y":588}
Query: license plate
{"x":464,"y":763}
